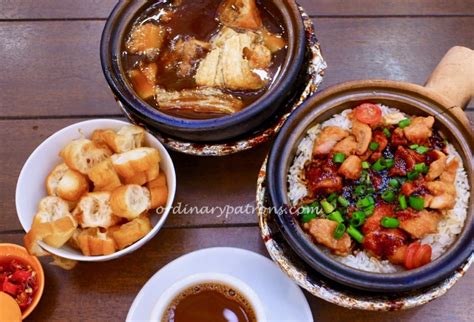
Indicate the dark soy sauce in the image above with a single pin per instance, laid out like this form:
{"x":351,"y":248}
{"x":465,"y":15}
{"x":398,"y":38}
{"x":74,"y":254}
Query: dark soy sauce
{"x":209,"y":302}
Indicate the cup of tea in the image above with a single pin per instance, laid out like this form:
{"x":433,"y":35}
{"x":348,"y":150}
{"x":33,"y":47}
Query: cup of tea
{"x":208,"y":297}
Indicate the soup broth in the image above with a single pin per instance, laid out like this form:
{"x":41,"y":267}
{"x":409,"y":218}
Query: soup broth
{"x":189,"y":59}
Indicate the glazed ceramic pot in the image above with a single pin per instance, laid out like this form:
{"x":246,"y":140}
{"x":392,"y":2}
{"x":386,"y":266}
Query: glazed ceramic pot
{"x":208,"y":130}
{"x":448,"y":90}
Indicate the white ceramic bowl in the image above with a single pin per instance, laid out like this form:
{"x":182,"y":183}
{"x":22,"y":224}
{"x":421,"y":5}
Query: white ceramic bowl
{"x":174,"y":290}
{"x":30,"y":188}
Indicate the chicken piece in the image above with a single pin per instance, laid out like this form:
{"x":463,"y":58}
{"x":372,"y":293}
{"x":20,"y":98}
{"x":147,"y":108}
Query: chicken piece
{"x":258,"y":57}
{"x":419,"y":224}
{"x":347,"y":146}
{"x":382,"y":243}
{"x":184,"y":55}
{"x":398,"y":138}
{"x":322,"y":230}
{"x":380,"y":138}
{"x":146,"y":39}
{"x":443,"y":195}
{"x":141,"y":84}
{"x":449,"y":173}
{"x":272,"y":41}
{"x":363,"y":135}
{"x":204,"y":100}
{"x":393,"y":118}
{"x":437,"y":166}
{"x":419,"y":130}
{"x":399,"y":255}
{"x":372,"y":223}
{"x":351,"y":168}
{"x":327,"y":139}
{"x":405,"y":160}
{"x":241,"y":14}
{"x":323,"y":178}
{"x":226,"y":67}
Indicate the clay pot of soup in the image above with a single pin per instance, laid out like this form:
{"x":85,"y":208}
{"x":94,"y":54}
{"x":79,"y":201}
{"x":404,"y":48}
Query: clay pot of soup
{"x":373,"y":179}
{"x":203,"y":71}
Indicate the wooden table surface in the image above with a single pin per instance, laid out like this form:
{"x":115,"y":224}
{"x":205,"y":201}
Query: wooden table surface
{"x":50,"y":77}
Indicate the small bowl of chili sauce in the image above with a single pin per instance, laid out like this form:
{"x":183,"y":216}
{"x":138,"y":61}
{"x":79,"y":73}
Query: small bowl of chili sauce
{"x":21,"y":277}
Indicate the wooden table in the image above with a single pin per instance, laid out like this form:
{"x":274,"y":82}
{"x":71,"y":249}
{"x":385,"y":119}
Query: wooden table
{"x":50,"y":77}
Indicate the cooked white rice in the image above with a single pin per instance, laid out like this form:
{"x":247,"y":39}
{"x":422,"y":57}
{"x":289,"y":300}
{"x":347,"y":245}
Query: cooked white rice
{"x":448,"y":228}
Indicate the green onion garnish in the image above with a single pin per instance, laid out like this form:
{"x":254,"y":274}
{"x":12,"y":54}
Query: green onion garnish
{"x":388,"y":195}
{"x":336,"y":216}
{"x":365,"y":165}
{"x":394,"y":183}
{"x":339,"y":231}
{"x":389,"y":163}
{"x":404,"y":123}
{"x":420,"y":167}
{"x":412,"y":175}
{"x":387,"y":132}
{"x":360,"y":190}
{"x":354,"y":233}
{"x":327,"y":207}
{"x":373,"y":146}
{"x":414,"y":146}
{"x":339,"y":157}
{"x":365,"y":202}
{"x":307,"y":217}
{"x":343,"y":201}
{"x":332,"y":196}
{"x":379,"y":165}
{"x":416,"y":202}
{"x":368,"y":211}
{"x":422,"y":150}
{"x":403,"y":201}
{"x":358,"y":218}
{"x":389,"y":222}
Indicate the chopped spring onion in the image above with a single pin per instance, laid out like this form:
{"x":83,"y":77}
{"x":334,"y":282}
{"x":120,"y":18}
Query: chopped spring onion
{"x":420,"y":167}
{"x":311,"y":208}
{"x":414,"y":146}
{"x":387,"y":132}
{"x":307,"y":217}
{"x":365,"y":165}
{"x":422,"y":150}
{"x":360,"y":190}
{"x":389,"y":222}
{"x":412,"y":175}
{"x":358,"y":218}
{"x":343,"y":201}
{"x":327,"y":207}
{"x":394,"y":183}
{"x":368,"y":211}
{"x":379,"y":165}
{"x":389,"y":163}
{"x":365,"y":202}
{"x":388,"y":195}
{"x":416,"y":202}
{"x":336,"y":216}
{"x":373,"y":146}
{"x":354,"y":233}
{"x":404,"y":123}
{"x":339,"y":231}
{"x":403,"y":202}
{"x":332,"y":196}
{"x":339,"y":157}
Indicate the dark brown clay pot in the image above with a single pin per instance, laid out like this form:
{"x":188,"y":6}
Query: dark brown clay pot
{"x":447,"y":91}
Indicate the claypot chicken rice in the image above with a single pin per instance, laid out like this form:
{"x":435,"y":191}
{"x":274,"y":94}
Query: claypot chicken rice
{"x":204,"y":59}
{"x":379,"y":190}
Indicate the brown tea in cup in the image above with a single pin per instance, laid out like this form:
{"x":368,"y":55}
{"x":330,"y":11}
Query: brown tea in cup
{"x":209,"y":302}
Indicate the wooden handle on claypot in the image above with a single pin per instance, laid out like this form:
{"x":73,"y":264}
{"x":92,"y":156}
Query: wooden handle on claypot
{"x":454,"y":79}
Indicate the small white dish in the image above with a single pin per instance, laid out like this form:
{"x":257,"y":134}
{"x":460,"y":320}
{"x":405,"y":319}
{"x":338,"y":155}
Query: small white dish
{"x":282,"y":300}
{"x":30,"y":188}
{"x":174,"y":290}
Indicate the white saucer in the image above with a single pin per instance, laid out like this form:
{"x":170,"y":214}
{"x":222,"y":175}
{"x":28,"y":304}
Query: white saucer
{"x":282,"y":299}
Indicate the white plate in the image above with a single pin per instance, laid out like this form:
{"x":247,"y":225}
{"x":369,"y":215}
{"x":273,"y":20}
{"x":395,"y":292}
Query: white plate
{"x":282,"y":299}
